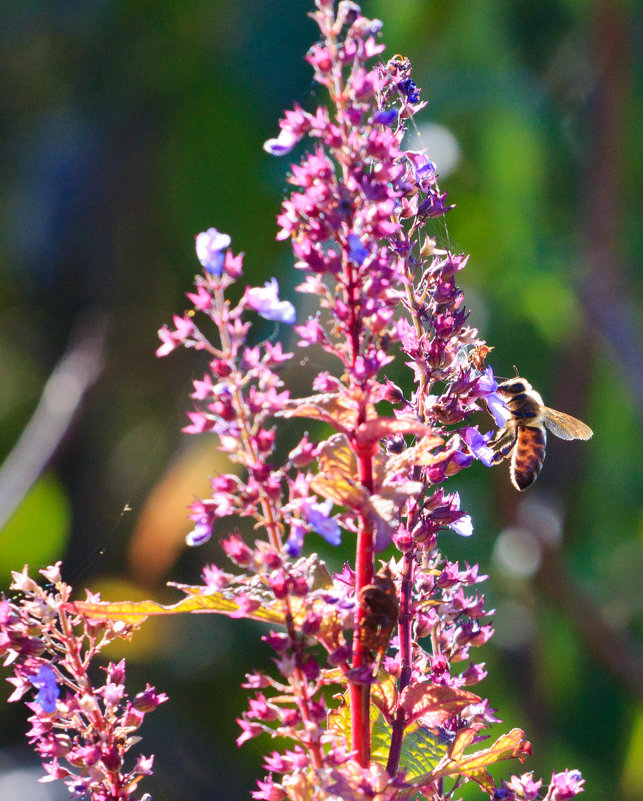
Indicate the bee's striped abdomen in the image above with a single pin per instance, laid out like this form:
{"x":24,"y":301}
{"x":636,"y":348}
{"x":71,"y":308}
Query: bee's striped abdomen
{"x":528,"y":456}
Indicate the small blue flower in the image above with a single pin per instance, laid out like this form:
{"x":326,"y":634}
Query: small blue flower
{"x":356,"y":250}
{"x":487,"y":382}
{"x":408,"y":88}
{"x":427,"y":170}
{"x":318,"y":516}
{"x":48,"y":691}
{"x":487,"y":386}
{"x":385,"y":117}
{"x":478,"y":446}
{"x":295,"y":541}
{"x":265,"y":301}
{"x":200,"y":533}
{"x":498,"y":409}
{"x":463,"y":526}
{"x":210,"y":247}
{"x":282,"y":145}
{"x":315,"y":516}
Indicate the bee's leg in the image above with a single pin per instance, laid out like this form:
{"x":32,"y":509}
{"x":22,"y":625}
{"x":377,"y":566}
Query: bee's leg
{"x":503,"y":450}
{"x":501,"y":434}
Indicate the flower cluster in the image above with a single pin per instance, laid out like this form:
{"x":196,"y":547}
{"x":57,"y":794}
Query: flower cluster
{"x":81,"y":731}
{"x":374,"y":663}
{"x":357,"y":218}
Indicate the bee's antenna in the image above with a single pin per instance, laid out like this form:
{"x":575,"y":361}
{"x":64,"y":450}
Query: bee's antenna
{"x":516,"y":371}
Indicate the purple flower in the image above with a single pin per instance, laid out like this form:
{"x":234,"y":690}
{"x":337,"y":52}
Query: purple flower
{"x":409,"y":90}
{"x":446,"y":512}
{"x":357,"y":252}
{"x":265,"y":301}
{"x":478,"y":446}
{"x":385,"y":117}
{"x":487,"y":382}
{"x":565,"y":785}
{"x":433,"y":205}
{"x":282,"y":145}
{"x":295,"y":541}
{"x":209,"y":250}
{"x":486,"y":386}
{"x":525,"y":786}
{"x":318,"y":516}
{"x":48,"y":690}
{"x":463,"y":526}
{"x":498,"y":409}
{"x":200,"y":534}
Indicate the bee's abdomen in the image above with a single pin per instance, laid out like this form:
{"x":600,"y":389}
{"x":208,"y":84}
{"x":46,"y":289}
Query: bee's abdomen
{"x":528,"y":456}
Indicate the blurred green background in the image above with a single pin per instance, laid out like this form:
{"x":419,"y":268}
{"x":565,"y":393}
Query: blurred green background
{"x":127,"y":128}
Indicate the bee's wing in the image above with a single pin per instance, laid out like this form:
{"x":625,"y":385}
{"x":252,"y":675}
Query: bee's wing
{"x":564,"y":425}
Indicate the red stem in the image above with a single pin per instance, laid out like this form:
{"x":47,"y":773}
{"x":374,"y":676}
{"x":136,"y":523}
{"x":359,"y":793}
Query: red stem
{"x":404,"y":632}
{"x":360,"y":692}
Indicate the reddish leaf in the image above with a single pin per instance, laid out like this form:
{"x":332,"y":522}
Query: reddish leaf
{"x":338,"y":411}
{"x":420,"y":454}
{"x":381,"y":427}
{"x":434,"y":703}
{"x":474,"y":766}
{"x":337,"y":478}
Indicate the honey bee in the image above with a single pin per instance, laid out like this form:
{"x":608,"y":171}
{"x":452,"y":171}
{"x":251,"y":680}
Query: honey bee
{"x":523,"y":435}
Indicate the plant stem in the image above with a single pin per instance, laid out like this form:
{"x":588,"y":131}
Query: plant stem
{"x":404,"y":632}
{"x":359,"y":691}
{"x":299,"y":685}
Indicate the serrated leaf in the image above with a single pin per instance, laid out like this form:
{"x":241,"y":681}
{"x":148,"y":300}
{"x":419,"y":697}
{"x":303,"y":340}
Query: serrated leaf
{"x":337,"y":479}
{"x":337,"y":410}
{"x":384,"y":693}
{"x":340,"y":490}
{"x":381,"y":427}
{"x":417,"y":455}
{"x":336,"y":455}
{"x":339,"y":721}
{"x":137,"y":612}
{"x":248,"y":599}
{"x":434,"y":703}
{"x":474,"y":766}
{"x":380,"y":737}
{"x":421,"y":751}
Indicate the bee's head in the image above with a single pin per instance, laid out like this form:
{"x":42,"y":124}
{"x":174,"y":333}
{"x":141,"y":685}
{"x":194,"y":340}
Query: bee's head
{"x":514,"y":386}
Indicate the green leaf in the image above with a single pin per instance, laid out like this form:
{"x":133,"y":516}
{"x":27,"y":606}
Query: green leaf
{"x":421,"y":751}
{"x":380,"y":737}
{"x":454,"y":763}
{"x":339,"y":721}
